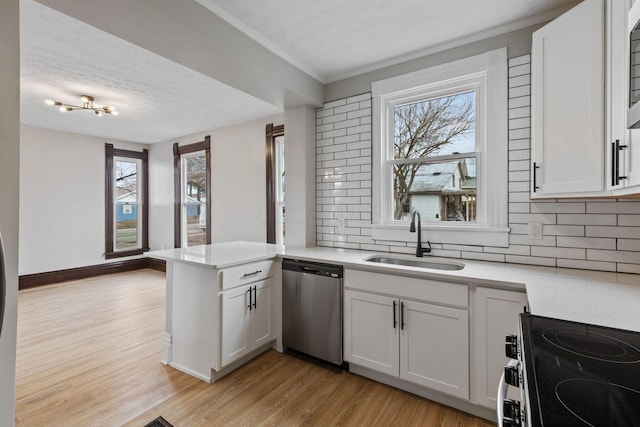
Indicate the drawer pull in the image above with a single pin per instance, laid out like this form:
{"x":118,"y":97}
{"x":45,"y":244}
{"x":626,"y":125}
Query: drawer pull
{"x":251,"y":274}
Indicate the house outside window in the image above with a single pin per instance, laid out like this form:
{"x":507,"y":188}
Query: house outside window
{"x":440,"y":147}
{"x":126,"y":195}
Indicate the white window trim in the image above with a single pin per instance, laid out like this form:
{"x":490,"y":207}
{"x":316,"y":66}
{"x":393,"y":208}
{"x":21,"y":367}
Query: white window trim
{"x":491,"y":132}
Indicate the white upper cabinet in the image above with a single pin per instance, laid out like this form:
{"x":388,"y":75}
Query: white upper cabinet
{"x":581,"y":146}
{"x":568,"y":100}
{"x":623,"y":153}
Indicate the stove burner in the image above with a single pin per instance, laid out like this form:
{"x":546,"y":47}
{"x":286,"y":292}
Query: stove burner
{"x":609,"y":404}
{"x":593,"y":345}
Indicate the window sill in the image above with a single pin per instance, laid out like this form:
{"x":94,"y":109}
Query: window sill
{"x":122,"y":254}
{"x":447,"y":234}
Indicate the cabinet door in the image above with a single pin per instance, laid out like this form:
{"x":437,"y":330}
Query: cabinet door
{"x":434,"y":347}
{"x":568,"y":103}
{"x":261,"y":328}
{"x":370,"y":335}
{"x":496,"y":316}
{"x":235,"y":324}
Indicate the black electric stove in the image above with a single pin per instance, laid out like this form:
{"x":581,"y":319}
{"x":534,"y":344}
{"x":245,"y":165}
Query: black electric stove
{"x":579,"y":374}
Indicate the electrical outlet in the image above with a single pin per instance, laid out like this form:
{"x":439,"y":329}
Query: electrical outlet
{"x":535,"y":231}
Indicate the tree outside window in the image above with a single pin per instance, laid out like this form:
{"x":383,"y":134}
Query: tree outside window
{"x":434,"y":166}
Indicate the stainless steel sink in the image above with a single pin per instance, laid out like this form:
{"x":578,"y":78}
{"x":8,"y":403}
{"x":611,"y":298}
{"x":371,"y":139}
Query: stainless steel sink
{"x":434,"y":265}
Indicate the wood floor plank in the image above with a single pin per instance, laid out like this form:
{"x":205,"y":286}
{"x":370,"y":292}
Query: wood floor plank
{"x":89,"y":351}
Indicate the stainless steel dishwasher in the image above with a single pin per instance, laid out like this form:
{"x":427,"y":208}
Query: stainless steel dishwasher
{"x":312,"y":309}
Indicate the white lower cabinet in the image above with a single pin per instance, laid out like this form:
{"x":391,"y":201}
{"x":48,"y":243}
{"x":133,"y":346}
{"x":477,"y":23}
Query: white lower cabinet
{"x":245,"y":319}
{"x":434,"y":347}
{"x":496,"y":316}
{"x":423,"y":343}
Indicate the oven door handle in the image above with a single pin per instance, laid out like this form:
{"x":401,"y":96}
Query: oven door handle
{"x":502,"y":393}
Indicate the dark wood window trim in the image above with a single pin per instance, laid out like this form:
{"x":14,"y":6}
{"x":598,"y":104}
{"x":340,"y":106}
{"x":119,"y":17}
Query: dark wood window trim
{"x":178,"y":151}
{"x":143,"y":156}
{"x":272,"y":132}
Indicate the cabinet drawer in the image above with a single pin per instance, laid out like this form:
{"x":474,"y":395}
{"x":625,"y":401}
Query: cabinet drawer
{"x":246,"y":273}
{"x":454,"y":294}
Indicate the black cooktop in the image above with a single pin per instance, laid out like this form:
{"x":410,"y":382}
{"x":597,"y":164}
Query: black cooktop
{"x":580,"y":374}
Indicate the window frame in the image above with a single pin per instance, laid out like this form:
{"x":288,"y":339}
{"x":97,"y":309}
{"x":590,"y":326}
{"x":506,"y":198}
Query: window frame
{"x":111,"y":154}
{"x":178,"y":152}
{"x":272,"y":132}
{"x":486,"y":72}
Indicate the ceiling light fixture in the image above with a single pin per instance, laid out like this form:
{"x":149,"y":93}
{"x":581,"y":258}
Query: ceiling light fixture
{"x":87,"y":104}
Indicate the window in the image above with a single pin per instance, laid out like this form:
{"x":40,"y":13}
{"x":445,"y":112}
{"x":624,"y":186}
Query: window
{"x":440,"y":147}
{"x":192,"y":174}
{"x":126,"y":195}
{"x":280,"y":175}
{"x":275,"y":152}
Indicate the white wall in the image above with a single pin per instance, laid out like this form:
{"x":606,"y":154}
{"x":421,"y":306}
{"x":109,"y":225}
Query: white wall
{"x":300,"y":163}
{"x":238,"y":188}
{"x":62,"y":199}
{"x":9,"y":196}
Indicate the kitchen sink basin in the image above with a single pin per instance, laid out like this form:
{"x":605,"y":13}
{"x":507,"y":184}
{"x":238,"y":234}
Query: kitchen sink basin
{"x":430,"y":264}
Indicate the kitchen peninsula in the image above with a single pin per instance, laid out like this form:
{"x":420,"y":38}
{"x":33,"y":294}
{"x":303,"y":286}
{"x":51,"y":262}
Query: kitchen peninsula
{"x":221,"y":307}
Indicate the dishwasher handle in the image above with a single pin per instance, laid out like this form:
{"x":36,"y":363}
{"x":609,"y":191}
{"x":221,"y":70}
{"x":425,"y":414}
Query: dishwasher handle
{"x":315,"y":268}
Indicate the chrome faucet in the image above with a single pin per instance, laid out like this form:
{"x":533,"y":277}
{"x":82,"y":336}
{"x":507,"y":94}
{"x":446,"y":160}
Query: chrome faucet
{"x":419,"y":250}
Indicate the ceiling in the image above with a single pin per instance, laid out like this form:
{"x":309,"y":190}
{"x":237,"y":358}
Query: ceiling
{"x":159,"y":99}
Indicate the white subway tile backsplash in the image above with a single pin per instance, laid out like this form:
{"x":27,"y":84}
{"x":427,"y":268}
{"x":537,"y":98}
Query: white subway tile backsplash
{"x":519,"y":176}
{"x":627,"y":245}
{"x":523,"y":239}
{"x":526,"y":218}
{"x":586,"y":242}
{"x":333,"y":118}
{"x":628,"y":268}
{"x":519,"y":207}
{"x":359,"y":99}
{"x":587,"y":219}
{"x":346,"y":108}
{"x":620,"y":207}
{"x":359,"y":129}
{"x":614,"y":256}
{"x":524,"y":122}
{"x":519,"y":70}
{"x":617,"y":232}
{"x":334,"y":133}
{"x":589,"y":234}
{"x":586,"y":265}
{"x":629,"y":220}
{"x":519,"y":165}
{"x":519,"y":259}
{"x":559,"y":208}
{"x":553,"y":252}
{"x":516,"y":134}
{"x":564,"y":230}
{"x":519,"y":197}
{"x":336,"y":103}
{"x":519,"y":91}
{"x":511,"y":250}
{"x":520,"y":155}
{"x":519,"y":186}
{"x":518,"y":60}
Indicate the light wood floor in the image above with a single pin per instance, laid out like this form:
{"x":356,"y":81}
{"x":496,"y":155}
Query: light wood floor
{"x":88,"y":355}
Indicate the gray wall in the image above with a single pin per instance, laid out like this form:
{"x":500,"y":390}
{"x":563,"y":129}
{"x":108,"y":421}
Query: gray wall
{"x":9,"y":187}
{"x":517,"y":42}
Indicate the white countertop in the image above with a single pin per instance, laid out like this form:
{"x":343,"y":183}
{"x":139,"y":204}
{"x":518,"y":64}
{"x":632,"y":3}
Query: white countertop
{"x":607,"y":299}
{"x":219,"y":255}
